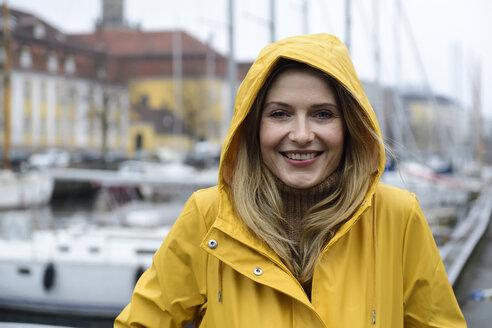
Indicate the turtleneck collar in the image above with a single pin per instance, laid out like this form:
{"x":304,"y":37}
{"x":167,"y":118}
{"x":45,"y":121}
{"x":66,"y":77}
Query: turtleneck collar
{"x":296,"y":202}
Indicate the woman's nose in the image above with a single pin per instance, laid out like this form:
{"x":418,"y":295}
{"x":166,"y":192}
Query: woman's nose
{"x":301,"y":132}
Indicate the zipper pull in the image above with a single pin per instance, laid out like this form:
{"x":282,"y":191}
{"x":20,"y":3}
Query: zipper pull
{"x":373,"y":317}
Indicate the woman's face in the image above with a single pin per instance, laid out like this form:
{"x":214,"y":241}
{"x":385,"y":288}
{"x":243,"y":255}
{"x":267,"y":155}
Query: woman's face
{"x":301,"y":129}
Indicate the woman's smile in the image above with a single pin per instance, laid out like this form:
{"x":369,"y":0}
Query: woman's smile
{"x":301,"y":159}
{"x":298,"y":156}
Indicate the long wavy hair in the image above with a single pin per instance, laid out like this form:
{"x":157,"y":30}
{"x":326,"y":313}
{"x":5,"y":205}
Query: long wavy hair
{"x":256,"y":197}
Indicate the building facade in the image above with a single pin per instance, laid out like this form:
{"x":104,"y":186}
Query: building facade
{"x":57,"y":98}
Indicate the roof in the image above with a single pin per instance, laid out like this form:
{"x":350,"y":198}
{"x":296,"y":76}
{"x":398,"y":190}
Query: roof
{"x":30,"y":29}
{"x":135,"y":43}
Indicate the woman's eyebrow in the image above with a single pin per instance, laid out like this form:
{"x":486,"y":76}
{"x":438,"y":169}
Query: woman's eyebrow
{"x":279,"y":103}
{"x":324,"y":105}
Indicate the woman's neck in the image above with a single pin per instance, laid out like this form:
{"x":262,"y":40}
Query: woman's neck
{"x":296,"y":202}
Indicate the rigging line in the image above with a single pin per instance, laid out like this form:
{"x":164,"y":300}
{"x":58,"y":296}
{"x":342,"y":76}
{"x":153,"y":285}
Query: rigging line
{"x":371,"y":31}
{"x":325,"y":13}
{"x":253,"y":17}
{"x":302,"y":6}
{"x":443,"y":134}
{"x":401,"y":126}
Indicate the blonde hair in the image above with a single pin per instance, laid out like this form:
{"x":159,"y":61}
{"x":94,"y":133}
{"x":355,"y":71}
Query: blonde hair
{"x":258,"y":202}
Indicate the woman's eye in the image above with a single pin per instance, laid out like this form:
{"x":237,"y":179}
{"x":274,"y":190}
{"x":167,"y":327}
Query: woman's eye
{"x":278,"y":114}
{"x":324,"y":115}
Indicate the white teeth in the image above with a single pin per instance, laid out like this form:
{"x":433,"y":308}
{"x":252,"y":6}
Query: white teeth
{"x":300,"y":157}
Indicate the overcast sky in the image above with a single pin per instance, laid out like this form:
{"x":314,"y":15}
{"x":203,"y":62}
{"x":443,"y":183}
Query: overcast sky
{"x":441,"y":41}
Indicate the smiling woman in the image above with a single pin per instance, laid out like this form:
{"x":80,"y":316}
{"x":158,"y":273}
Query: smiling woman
{"x":299,"y":232}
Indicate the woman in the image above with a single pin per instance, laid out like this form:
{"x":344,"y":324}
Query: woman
{"x":298,"y":232}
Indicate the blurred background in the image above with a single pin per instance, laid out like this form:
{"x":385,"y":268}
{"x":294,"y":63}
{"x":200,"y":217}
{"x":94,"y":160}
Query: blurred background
{"x":114,"y":112}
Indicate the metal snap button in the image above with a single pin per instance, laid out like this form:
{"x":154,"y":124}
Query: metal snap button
{"x":258,"y":271}
{"x":212,"y":243}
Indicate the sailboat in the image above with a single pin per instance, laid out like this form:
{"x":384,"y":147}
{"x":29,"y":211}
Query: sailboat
{"x":79,"y":270}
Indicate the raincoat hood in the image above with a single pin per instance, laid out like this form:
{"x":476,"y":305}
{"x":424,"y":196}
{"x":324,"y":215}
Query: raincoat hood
{"x":324,"y":52}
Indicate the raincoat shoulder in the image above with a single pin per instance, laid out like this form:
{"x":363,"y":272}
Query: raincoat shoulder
{"x":403,"y":233}
{"x":172,"y":291}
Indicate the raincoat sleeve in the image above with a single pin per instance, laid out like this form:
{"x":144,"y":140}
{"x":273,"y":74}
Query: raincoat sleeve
{"x":171,"y":292}
{"x":429,"y":300}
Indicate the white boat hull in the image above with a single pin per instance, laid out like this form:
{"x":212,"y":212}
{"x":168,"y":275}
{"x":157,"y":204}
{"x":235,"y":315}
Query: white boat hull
{"x":93,"y":272}
{"x":24,"y":189}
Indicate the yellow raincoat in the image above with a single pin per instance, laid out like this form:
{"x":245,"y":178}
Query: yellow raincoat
{"x":381,"y":269}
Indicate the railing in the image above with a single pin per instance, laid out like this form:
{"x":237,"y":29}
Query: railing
{"x":467,"y":234}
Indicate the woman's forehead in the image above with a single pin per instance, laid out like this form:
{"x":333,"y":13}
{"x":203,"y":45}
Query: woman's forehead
{"x":300,"y":83}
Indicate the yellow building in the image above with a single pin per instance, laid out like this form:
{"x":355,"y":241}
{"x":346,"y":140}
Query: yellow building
{"x":438,"y":123}
{"x":177,"y":86}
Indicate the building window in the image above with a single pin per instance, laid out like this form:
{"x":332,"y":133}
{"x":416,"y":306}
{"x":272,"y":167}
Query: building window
{"x":138,"y":142}
{"x":2,"y":55}
{"x":27,"y":90}
{"x":52,"y":63}
{"x":144,"y":100}
{"x":68,"y":128}
{"x":42,"y":127}
{"x":70,"y":66}
{"x":27,"y":124}
{"x":43,"y":92}
{"x":25,"y":57}
{"x":71,"y":96}
{"x":39,"y":31}
{"x":60,"y":37}
{"x":102,"y":73}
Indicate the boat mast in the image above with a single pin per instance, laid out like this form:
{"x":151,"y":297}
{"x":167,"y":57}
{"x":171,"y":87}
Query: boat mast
{"x":477,"y":107}
{"x":377,"y":68}
{"x":177,"y":85}
{"x":273,"y":21}
{"x":348,"y":24}
{"x":210,"y":83}
{"x":305,"y":17}
{"x":398,"y":121}
{"x":441,"y":140}
{"x":6,"y":86}
{"x":231,"y":64}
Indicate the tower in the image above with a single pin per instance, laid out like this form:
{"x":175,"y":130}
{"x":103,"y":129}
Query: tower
{"x":112,"y":15}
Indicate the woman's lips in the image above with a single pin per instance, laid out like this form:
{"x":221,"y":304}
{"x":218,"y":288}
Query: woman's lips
{"x":300,"y":159}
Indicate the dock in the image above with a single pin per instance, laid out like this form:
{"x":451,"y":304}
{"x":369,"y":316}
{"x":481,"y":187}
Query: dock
{"x":108,"y":178}
{"x":472,"y":273}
